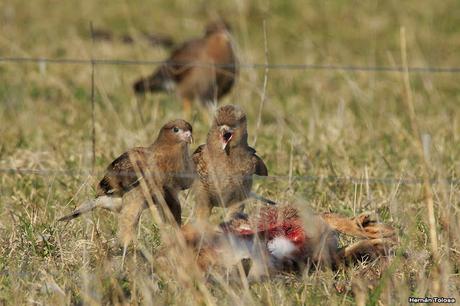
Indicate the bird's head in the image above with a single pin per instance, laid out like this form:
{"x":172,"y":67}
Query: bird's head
{"x":176,"y":132}
{"x":229,"y":128}
{"x":216,"y":27}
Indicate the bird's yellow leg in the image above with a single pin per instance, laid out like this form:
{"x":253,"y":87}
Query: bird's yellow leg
{"x":128,"y":219}
{"x":206,"y":116}
{"x":187,"y":107}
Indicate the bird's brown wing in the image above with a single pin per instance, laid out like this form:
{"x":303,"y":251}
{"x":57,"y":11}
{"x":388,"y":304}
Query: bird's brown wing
{"x":170,"y":197}
{"x":201,"y":166}
{"x":175,"y":69}
{"x":197,"y":155}
{"x":182,"y":59}
{"x":259,"y":165}
{"x":121,"y":175}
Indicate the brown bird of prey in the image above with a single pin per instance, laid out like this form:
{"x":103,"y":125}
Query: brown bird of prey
{"x":166,"y":167}
{"x":225,"y":164}
{"x":203,"y":68}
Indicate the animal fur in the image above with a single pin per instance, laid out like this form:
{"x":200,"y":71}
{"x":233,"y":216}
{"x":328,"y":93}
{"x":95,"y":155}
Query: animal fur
{"x":282,"y":239}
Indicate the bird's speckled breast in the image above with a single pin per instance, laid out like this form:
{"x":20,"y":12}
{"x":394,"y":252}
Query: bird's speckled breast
{"x":229,"y":178}
{"x":178,"y":167}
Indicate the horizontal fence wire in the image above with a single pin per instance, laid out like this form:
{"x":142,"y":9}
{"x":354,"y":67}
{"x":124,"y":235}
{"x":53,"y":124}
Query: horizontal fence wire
{"x":351,"y":68}
{"x":311,"y":178}
{"x":119,"y":62}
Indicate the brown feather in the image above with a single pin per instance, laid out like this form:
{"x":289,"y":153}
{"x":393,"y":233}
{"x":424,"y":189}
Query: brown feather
{"x":225,"y":176}
{"x":203,"y":68}
{"x":120,"y":175}
{"x":166,"y":166}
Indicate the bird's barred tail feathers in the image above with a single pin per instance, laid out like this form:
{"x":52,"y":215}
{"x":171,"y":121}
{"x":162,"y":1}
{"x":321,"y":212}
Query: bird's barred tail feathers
{"x":160,"y":80}
{"x":106,"y":202}
{"x":83,"y":208}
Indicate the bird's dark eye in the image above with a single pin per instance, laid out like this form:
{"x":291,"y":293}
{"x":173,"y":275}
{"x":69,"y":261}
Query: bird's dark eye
{"x":176,"y":129}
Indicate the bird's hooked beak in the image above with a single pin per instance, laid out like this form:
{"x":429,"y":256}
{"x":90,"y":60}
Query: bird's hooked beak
{"x":226,"y":134}
{"x":187,"y":136}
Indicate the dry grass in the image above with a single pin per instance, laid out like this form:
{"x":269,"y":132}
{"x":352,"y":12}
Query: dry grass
{"x":313,"y":123}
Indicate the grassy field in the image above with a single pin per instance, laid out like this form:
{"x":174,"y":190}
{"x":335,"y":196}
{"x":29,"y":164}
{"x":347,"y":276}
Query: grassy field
{"x":318,"y":128}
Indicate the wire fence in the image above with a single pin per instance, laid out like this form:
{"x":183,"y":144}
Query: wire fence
{"x":327,"y":67}
{"x":308,"y":178}
{"x":332,"y":67}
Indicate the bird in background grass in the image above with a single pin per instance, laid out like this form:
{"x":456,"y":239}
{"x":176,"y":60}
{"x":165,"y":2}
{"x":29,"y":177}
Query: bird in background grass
{"x":226,"y":164}
{"x":203,"y":68}
{"x":166,"y":168}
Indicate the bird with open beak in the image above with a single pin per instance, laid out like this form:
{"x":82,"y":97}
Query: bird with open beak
{"x":165,"y":166}
{"x":226,"y":164}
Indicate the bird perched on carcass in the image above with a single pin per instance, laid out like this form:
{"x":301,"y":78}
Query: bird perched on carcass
{"x":203,"y":68}
{"x":226,"y":164}
{"x":166,"y":167}
{"x":281,"y":239}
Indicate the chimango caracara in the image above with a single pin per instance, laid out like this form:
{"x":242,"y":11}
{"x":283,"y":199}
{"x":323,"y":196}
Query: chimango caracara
{"x":165,"y":166}
{"x":203,"y":68}
{"x":225,"y":164}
